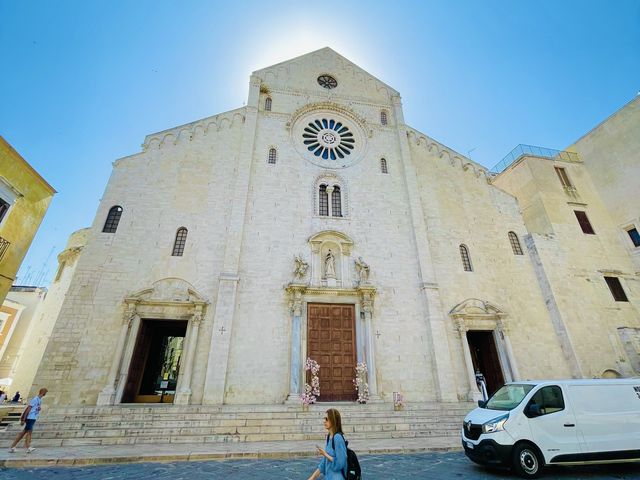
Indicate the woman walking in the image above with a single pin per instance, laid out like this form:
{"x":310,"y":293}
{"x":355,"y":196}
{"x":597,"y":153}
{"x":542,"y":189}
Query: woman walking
{"x":334,"y":455}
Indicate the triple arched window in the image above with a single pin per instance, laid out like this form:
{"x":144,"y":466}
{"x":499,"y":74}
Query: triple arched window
{"x":180,"y":242}
{"x":515,"y":243}
{"x":113,"y":218}
{"x":466,"y":259}
{"x":273,"y":156}
{"x":328,"y":208}
{"x":267,"y":104}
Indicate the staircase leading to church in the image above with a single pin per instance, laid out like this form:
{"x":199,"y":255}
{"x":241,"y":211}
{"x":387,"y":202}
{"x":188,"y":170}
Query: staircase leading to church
{"x":162,"y":424}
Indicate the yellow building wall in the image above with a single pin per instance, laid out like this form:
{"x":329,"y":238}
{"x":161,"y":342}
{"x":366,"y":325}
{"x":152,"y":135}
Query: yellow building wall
{"x":21,"y":222}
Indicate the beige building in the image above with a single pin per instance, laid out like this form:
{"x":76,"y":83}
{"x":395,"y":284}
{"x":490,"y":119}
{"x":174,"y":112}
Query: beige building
{"x":31,"y":313}
{"x":314,"y":223}
{"x":24,"y":199}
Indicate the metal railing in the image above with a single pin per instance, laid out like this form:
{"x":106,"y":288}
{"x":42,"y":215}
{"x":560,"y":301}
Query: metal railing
{"x":4,"y":246}
{"x":533,"y":151}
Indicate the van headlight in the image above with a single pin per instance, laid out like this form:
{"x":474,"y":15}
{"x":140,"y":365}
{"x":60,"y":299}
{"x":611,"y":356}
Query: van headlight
{"x":495,"y":425}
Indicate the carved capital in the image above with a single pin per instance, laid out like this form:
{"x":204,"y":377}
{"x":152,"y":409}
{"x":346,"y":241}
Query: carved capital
{"x":295,"y":300}
{"x":367,"y":302}
{"x":198,"y":314}
{"x":503,"y":328}
{"x":461,"y":326}
{"x":129,"y":313}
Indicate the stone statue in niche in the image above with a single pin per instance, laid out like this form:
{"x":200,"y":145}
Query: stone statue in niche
{"x":301,"y":268}
{"x":362,"y":269}
{"x":330,"y":265}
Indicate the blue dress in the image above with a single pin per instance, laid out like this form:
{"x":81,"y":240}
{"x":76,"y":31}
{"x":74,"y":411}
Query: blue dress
{"x":334,"y":470}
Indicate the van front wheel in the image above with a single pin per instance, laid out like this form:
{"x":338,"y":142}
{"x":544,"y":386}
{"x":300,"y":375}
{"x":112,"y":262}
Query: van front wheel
{"x":527,"y":461}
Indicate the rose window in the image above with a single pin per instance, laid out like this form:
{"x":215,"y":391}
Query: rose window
{"x":327,"y":81}
{"x":328,"y":139}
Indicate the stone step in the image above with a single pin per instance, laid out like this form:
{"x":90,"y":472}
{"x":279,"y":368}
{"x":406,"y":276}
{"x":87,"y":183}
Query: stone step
{"x":56,"y":417}
{"x":354,"y":438}
{"x":294,"y":408}
{"x":139,"y":424}
{"x":156,"y":430}
{"x":213,"y":421}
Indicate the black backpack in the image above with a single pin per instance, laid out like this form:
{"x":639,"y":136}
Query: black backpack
{"x":353,"y":466}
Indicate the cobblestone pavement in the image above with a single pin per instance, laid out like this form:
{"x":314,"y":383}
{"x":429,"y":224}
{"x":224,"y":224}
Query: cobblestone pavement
{"x":440,"y":466}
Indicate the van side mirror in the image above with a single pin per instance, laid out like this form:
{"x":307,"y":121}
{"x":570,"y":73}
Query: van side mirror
{"x":533,"y":410}
{"x":482,"y":403}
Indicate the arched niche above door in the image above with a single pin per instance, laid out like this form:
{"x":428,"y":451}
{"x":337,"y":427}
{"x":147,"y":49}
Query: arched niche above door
{"x":330,"y":259}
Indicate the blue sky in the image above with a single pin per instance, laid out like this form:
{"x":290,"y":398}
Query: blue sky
{"x":83,"y":82}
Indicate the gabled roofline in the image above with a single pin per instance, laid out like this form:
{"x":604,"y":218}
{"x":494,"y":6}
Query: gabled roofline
{"x":257,"y":72}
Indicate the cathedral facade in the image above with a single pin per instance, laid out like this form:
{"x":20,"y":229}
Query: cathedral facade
{"x":313,"y":223}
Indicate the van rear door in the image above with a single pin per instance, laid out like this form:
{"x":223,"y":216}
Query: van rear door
{"x":552,"y":422}
{"x":607,"y":415}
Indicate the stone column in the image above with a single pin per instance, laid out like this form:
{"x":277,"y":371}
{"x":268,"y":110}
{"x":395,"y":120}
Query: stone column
{"x":504,"y":334}
{"x":329,"y":199}
{"x":127,"y":356}
{"x":474,"y":393}
{"x":184,"y":393}
{"x":367,"y":308}
{"x":296,"y":344}
{"x":108,"y":393}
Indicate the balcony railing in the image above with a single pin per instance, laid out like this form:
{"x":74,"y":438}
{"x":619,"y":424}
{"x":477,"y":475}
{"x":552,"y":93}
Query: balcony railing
{"x":4,"y":246}
{"x":533,"y":151}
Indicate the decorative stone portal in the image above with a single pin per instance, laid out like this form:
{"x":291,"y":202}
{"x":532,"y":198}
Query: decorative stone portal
{"x":485,"y":344}
{"x":170,"y":299}
{"x":312,"y":292}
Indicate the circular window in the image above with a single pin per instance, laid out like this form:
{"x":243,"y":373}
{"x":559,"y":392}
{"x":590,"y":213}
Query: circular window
{"x":328,"y":139}
{"x":327,"y":81}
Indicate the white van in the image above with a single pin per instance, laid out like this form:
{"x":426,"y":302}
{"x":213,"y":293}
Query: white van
{"x":530,"y":424}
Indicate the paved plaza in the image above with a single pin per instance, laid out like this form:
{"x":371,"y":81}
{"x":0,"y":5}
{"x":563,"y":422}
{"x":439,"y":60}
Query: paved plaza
{"x":440,"y":466}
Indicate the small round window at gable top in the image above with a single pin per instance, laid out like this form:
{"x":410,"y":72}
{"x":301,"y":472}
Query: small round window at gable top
{"x":328,"y":139}
{"x":327,"y":81}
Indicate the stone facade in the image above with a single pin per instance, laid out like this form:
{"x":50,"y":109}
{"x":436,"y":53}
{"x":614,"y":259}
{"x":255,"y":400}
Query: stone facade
{"x":249,"y":191}
{"x":40,"y":309}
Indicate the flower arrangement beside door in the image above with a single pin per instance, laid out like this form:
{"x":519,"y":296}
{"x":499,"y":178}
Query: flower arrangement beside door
{"x":360,"y":382}
{"x":311,"y":392}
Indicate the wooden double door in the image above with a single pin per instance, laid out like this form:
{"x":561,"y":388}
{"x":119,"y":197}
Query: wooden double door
{"x":331,"y":341}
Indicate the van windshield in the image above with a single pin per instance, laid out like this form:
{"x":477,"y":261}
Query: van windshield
{"x":508,"y":397}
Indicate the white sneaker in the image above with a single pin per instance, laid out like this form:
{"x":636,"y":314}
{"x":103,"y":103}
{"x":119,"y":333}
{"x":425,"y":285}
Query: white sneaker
{"x":30,"y":449}
{"x":12,"y":450}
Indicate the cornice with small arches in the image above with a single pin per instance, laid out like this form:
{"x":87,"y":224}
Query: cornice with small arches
{"x":450,"y":156}
{"x":186,"y":133}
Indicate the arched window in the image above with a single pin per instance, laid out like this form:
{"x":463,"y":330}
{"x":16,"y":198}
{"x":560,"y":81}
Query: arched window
{"x":323,"y":201}
{"x":113,"y":218}
{"x":336,"y":202}
{"x":181,"y":240}
{"x":383,"y":165}
{"x":515,"y":243}
{"x":466,"y":260}
{"x":273,"y":155}
{"x":267,"y":104}
{"x":383,"y":117}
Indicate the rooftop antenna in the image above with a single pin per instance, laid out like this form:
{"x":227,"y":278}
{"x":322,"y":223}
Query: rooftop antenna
{"x":469,"y":152}
{"x":44,"y":269}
